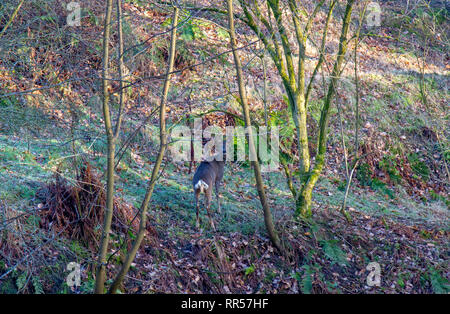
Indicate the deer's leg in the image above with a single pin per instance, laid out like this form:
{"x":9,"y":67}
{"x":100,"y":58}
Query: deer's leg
{"x":217,"y":186}
{"x":208,"y":205}
{"x":197,"y":221}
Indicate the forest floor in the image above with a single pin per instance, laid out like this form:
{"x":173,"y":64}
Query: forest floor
{"x":399,"y":201}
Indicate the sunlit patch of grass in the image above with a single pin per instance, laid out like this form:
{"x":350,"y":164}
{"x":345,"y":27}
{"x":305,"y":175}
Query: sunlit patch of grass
{"x":375,"y":203}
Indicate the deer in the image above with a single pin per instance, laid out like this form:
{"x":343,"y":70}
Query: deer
{"x":208,"y":173}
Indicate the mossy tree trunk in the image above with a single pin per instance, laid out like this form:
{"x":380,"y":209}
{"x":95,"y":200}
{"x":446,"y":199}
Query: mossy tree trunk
{"x":304,"y":201}
{"x":274,"y":35}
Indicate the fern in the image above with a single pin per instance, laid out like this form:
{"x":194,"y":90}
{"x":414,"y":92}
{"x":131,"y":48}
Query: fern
{"x":440,"y":284}
{"x":37,"y":286}
{"x":21,"y":281}
{"x":333,"y":251}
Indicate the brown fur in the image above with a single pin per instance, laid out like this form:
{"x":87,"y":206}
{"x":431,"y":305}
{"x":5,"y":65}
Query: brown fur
{"x":211,"y":173}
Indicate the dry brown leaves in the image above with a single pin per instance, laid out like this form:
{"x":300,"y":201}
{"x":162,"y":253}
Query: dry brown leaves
{"x":78,"y":211}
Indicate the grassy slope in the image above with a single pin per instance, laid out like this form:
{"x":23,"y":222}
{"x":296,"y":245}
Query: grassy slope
{"x":28,"y":160}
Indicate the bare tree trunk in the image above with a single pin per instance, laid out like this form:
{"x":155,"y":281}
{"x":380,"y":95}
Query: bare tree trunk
{"x":162,"y":148}
{"x":101,"y":267}
{"x":121,"y":67}
{"x":355,"y":163}
{"x":11,"y":19}
{"x":244,"y":101}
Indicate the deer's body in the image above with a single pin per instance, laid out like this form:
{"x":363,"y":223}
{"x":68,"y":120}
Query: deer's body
{"x":208,"y":174}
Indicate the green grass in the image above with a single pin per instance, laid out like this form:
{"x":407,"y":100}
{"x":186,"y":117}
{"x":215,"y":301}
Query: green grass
{"x":380,"y":203}
{"x":22,"y":175}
